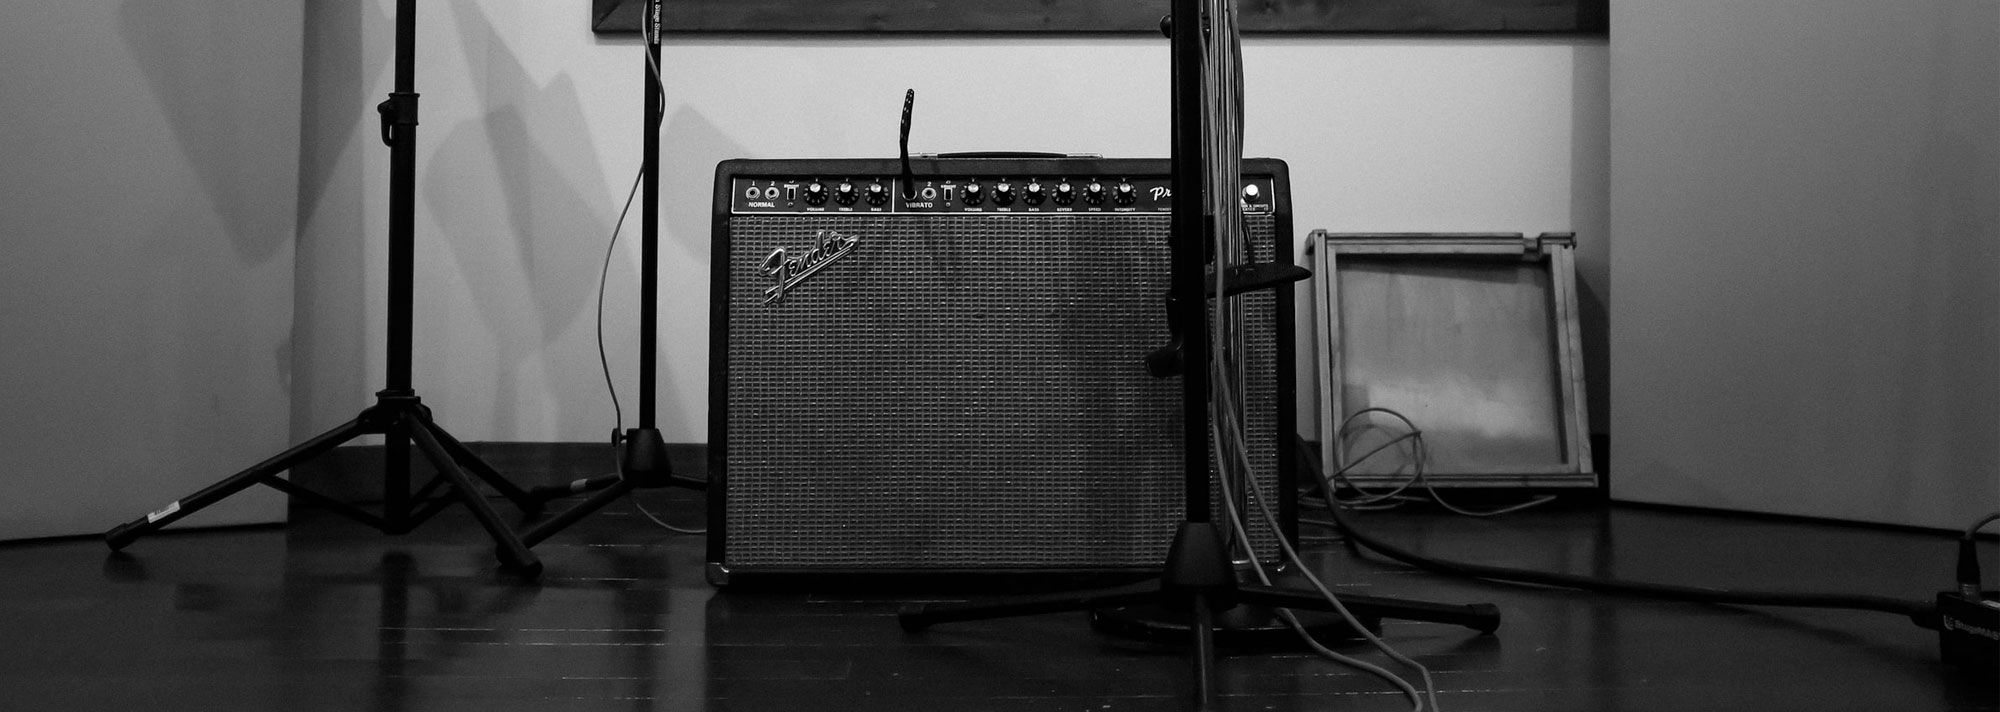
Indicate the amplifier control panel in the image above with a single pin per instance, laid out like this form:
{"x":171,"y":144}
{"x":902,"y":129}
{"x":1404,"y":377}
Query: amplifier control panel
{"x":983,"y":194}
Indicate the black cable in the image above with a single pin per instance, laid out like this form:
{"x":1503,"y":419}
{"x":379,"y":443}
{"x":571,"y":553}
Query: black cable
{"x":1923,"y":613}
{"x":603,"y":276}
{"x":604,"y":273}
{"x":1968,"y":557}
{"x":1419,"y":455}
{"x":1973,"y":531}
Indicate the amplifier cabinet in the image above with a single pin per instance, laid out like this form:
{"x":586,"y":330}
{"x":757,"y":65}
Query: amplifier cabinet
{"x":945,"y":373}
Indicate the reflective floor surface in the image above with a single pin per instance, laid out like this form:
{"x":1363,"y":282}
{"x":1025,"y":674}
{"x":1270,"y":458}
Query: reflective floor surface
{"x":323,"y":614}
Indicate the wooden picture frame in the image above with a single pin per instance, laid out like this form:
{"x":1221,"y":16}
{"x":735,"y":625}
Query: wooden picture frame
{"x":1105,"y":16}
{"x":1475,"y":337}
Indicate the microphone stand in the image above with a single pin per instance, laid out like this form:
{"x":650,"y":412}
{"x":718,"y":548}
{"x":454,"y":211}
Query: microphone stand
{"x":643,"y":462}
{"x":1198,"y":581}
{"x":397,"y":414}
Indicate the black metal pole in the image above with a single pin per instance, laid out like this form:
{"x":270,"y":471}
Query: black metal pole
{"x":1197,"y":565}
{"x":645,"y":461}
{"x":402,"y":202}
{"x":402,"y":138}
{"x":1188,"y":241}
{"x":649,"y":230}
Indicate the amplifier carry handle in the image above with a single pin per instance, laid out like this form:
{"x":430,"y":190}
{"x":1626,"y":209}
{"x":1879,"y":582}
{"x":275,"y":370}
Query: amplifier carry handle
{"x":1010,"y":154}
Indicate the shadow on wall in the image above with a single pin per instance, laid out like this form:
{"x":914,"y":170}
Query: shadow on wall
{"x":233,"y":123}
{"x":687,"y":208}
{"x":189,"y":68}
{"x":518,"y":196}
{"x":175,"y":306}
{"x":328,"y":375}
{"x":337,"y":77}
{"x":687,"y":192}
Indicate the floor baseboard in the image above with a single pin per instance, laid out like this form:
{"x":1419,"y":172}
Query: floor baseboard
{"x":354,"y":473}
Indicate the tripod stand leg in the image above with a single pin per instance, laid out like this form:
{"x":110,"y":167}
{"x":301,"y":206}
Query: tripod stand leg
{"x":512,"y":553}
{"x":1482,"y":617}
{"x":597,"y":501}
{"x":1203,"y":626}
{"x":466,"y":458}
{"x":263,"y":472}
{"x":644,"y":463}
{"x":919,"y":616}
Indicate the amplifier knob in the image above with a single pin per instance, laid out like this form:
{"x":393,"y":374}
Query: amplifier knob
{"x":1125,"y":194}
{"x":845,"y":194}
{"x":877,"y":194}
{"x":1252,"y":195}
{"x":815,"y":194}
{"x":1003,"y":194}
{"x":1065,"y":193}
{"x":1032,"y":194}
{"x":972,"y":194}
{"x":1094,"y":193}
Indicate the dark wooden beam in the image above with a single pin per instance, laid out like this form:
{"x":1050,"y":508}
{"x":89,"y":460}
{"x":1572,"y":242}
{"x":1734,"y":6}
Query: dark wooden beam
{"x":1107,"y":16}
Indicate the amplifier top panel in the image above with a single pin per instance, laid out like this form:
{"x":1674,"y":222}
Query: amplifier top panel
{"x":993,"y":187}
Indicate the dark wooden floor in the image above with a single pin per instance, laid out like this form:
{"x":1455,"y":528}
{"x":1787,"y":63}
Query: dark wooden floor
{"x":325,"y":614}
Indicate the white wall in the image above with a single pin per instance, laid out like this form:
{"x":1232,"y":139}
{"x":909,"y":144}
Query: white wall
{"x":148,"y":184}
{"x":1806,"y":195}
{"x":531,"y":137}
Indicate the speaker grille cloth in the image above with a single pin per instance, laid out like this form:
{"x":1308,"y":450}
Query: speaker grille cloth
{"x":965,"y":392}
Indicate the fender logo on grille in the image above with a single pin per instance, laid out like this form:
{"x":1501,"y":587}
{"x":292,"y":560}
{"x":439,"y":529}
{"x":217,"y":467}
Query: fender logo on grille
{"x":787,"y":272}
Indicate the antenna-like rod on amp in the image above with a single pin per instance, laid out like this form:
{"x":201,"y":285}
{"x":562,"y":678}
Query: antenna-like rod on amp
{"x":909,"y":177}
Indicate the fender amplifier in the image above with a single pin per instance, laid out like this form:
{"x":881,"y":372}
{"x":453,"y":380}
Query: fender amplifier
{"x":944,"y":372}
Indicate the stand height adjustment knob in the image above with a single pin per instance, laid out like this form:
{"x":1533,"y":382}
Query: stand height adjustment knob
{"x":845,"y":194}
{"x":1065,"y":193}
{"x":815,"y":194}
{"x":1033,"y":194}
{"x":1125,"y":194}
{"x":1003,"y":194}
{"x":1094,"y":193}
{"x":877,"y":194}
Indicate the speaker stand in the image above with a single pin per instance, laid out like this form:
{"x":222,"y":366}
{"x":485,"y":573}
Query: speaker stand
{"x":397,"y":414}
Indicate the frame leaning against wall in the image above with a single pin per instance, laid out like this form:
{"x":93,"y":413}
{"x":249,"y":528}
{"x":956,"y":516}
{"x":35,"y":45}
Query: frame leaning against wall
{"x":1108,"y":16}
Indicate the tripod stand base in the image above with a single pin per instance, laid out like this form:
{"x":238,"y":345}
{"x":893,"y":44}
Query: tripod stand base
{"x":1247,"y":626}
{"x":400,"y":416}
{"x":1196,"y":592}
{"x":644,"y":464}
